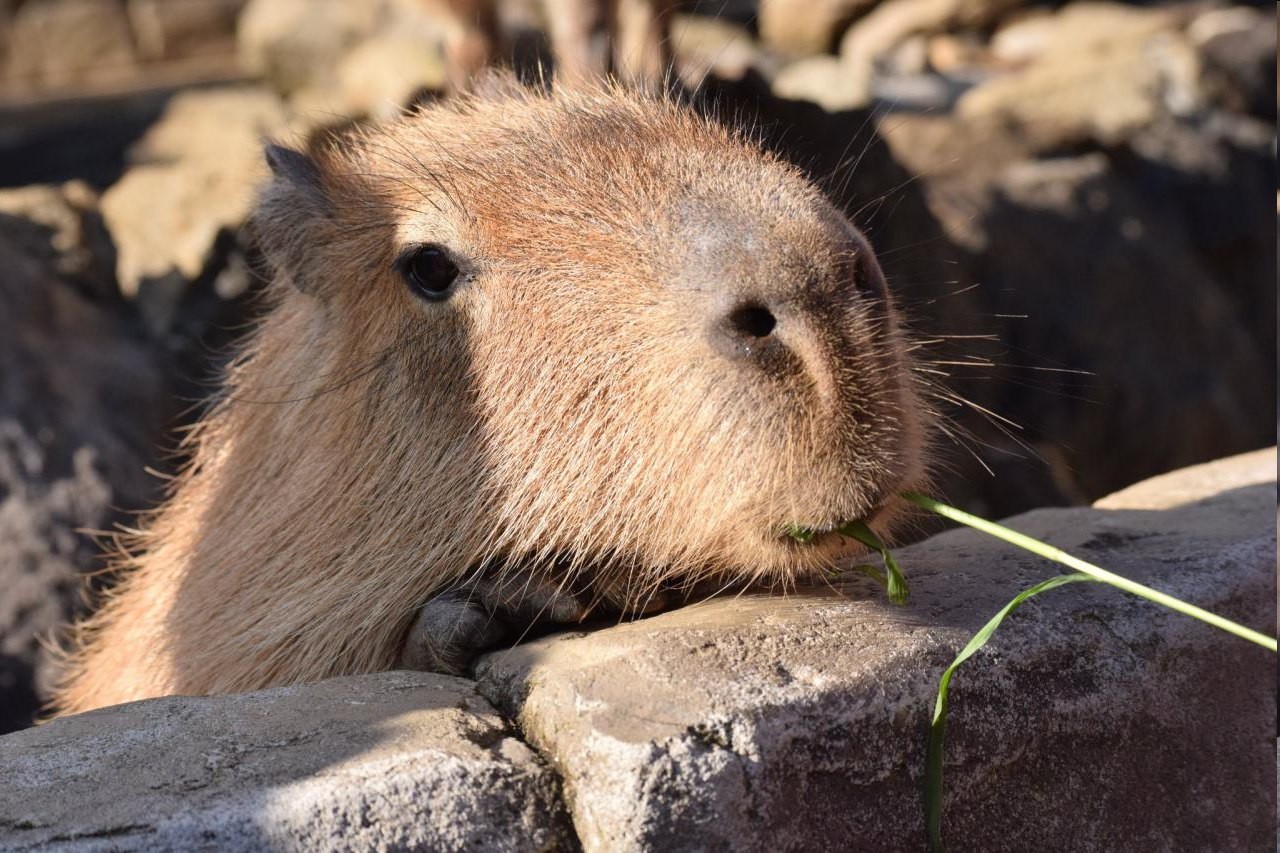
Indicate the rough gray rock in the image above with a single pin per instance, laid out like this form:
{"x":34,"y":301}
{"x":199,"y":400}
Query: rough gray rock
{"x":82,"y":404}
{"x":401,"y":761}
{"x":1125,"y":245}
{"x":1093,"y":720}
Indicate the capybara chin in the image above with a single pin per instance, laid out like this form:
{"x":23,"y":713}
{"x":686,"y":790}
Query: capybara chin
{"x":525,"y":353}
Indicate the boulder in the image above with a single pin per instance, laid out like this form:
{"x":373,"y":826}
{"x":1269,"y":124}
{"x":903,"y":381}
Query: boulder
{"x":1080,"y":29}
{"x":751,"y":723}
{"x":806,"y":28}
{"x":1121,"y":245}
{"x":401,"y":761}
{"x":885,"y":27}
{"x":352,"y":58}
{"x":766,"y":723}
{"x":164,"y":30}
{"x":56,"y":44}
{"x":192,"y":182}
{"x":383,"y":73}
{"x":834,"y":85}
{"x":83,"y":404}
{"x":296,"y":43}
{"x":1103,"y":72}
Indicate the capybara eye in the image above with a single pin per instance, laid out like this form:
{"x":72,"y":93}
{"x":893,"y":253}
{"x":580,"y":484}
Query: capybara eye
{"x":430,"y":272}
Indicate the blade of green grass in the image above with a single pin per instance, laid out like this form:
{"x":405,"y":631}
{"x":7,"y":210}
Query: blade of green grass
{"x":1050,"y":553}
{"x":896,"y":583}
{"x":937,"y":728}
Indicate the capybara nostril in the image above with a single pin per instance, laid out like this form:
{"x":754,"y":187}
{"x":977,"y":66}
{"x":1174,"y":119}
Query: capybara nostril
{"x":752,"y":321}
{"x":747,"y":331}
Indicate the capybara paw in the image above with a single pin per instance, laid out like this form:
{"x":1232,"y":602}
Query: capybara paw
{"x":451,"y":630}
{"x":457,"y":626}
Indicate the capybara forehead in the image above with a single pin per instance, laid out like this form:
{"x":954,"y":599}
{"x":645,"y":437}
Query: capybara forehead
{"x":529,"y":177}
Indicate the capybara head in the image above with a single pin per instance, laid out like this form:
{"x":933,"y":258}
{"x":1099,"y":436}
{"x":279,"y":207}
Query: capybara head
{"x":591,"y":330}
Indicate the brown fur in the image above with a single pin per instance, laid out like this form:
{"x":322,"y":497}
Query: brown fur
{"x":564,"y":409}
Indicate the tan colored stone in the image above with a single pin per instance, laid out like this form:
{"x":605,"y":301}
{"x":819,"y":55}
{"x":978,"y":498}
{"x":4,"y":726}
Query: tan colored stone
{"x":827,"y":81}
{"x":892,"y":22}
{"x":63,"y":43}
{"x":380,"y":75}
{"x":1099,"y":70}
{"x":806,"y":27}
{"x":298,"y":43}
{"x":1188,"y":485}
{"x":195,"y":179}
{"x":163,"y":29}
{"x":705,"y":46}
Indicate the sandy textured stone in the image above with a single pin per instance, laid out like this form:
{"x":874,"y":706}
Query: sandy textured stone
{"x":194,"y":182}
{"x":294,"y":43}
{"x":806,"y":27}
{"x":710,"y":46}
{"x":398,"y":761}
{"x":1102,"y":72}
{"x":827,"y":81}
{"x":764,"y":723}
{"x":59,"y":43}
{"x":890,"y":23}
{"x":1188,"y":485}
{"x":379,"y":76}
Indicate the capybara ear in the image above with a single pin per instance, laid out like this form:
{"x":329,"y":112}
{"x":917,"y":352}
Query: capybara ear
{"x":292,"y":218}
{"x":297,"y":169}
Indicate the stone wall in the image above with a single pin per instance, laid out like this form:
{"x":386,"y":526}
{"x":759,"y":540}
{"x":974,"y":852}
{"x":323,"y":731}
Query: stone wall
{"x":1092,"y":721}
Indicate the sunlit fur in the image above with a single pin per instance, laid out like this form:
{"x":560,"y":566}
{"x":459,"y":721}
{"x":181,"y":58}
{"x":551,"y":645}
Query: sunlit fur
{"x":563,"y":410}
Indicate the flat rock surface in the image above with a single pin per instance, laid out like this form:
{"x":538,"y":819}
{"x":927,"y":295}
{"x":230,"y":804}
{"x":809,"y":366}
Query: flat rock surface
{"x":1092,"y":721}
{"x":391,"y":761}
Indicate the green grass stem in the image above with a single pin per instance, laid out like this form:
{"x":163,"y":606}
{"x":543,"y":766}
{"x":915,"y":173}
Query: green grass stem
{"x":1059,"y":556}
{"x":938,"y":726}
{"x":895,"y":583}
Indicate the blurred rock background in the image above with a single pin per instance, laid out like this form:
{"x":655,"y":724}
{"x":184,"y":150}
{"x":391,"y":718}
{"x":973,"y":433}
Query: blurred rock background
{"x":1074,"y":200}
